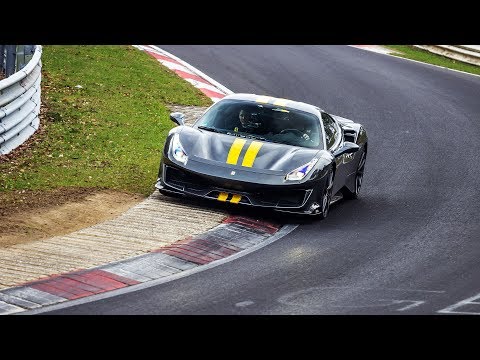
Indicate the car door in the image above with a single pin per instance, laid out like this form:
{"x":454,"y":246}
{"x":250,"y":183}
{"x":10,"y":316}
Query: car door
{"x":333,"y":138}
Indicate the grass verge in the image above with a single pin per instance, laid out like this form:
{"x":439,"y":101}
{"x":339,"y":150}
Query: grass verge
{"x":103,"y":122}
{"x":411,"y":52}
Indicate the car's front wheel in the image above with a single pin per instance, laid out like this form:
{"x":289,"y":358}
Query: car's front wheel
{"x":326,"y":196}
{"x":358,"y":179}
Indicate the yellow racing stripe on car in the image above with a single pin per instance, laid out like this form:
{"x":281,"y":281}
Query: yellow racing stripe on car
{"x":235,"y":151}
{"x":281,"y":102}
{"x":222,"y":196}
{"x":251,"y":153}
{"x":236,"y":198}
{"x":263,"y":99}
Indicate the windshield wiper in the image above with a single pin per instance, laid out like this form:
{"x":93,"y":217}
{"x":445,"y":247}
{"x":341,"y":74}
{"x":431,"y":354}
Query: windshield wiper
{"x":208,"y":128}
{"x":247,"y":136}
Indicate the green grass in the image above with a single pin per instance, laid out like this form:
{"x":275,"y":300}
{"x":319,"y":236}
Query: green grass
{"x":106,"y":134}
{"x":411,"y":52}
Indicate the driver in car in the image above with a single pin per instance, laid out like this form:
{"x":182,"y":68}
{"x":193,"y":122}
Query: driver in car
{"x":249,"y":123}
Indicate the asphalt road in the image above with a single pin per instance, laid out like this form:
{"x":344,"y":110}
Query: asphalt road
{"x":409,"y":245}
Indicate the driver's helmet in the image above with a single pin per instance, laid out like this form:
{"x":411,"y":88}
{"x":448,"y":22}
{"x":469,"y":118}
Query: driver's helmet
{"x":249,"y":120}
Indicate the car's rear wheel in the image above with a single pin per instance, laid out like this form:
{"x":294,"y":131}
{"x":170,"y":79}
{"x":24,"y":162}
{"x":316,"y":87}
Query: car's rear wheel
{"x":326,"y":196}
{"x":347,"y":194}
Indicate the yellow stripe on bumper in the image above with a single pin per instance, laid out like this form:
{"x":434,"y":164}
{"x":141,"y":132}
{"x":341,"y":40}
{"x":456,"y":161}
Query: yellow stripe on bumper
{"x":236,"y":198}
{"x":251,"y":154}
{"x":235,"y":151}
{"x":222,"y":197}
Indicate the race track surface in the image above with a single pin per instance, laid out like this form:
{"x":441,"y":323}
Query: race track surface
{"x":409,"y":245}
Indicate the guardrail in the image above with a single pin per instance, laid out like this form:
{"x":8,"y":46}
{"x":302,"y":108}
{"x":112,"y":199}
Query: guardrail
{"x":20,"y":103}
{"x":465,"y":53}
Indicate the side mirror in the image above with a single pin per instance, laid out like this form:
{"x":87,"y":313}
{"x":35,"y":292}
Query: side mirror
{"x":178,"y":118}
{"x":347,"y":148}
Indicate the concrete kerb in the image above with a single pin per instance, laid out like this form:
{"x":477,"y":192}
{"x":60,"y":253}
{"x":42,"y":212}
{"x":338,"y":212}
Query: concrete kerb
{"x":211,"y":88}
{"x":283,"y":231}
{"x":195,"y":70}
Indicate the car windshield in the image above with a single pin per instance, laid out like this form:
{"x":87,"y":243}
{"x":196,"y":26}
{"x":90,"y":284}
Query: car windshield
{"x":265,"y":122}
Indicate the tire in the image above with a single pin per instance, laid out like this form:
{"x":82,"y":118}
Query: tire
{"x":326,"y":197}
{"x":347,"y":194}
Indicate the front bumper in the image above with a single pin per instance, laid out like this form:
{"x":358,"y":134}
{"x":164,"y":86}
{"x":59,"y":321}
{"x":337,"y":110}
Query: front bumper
{"x":294,"y":198}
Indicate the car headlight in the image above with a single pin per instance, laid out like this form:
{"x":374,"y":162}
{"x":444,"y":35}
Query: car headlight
{"x":300,"y":172}
{"x":177,"y":150}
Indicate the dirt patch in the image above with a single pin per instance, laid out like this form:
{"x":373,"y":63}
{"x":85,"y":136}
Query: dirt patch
{"x":27,"y":216}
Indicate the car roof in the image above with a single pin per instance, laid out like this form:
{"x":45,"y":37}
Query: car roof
{"x":312,"y":109}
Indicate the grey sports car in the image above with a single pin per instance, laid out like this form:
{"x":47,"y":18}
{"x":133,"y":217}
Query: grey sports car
{"x":267,"y":152}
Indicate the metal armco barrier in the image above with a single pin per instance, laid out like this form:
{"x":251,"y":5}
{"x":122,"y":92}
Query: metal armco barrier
{"x":464,"y":53}
{"x":20,"y":103}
